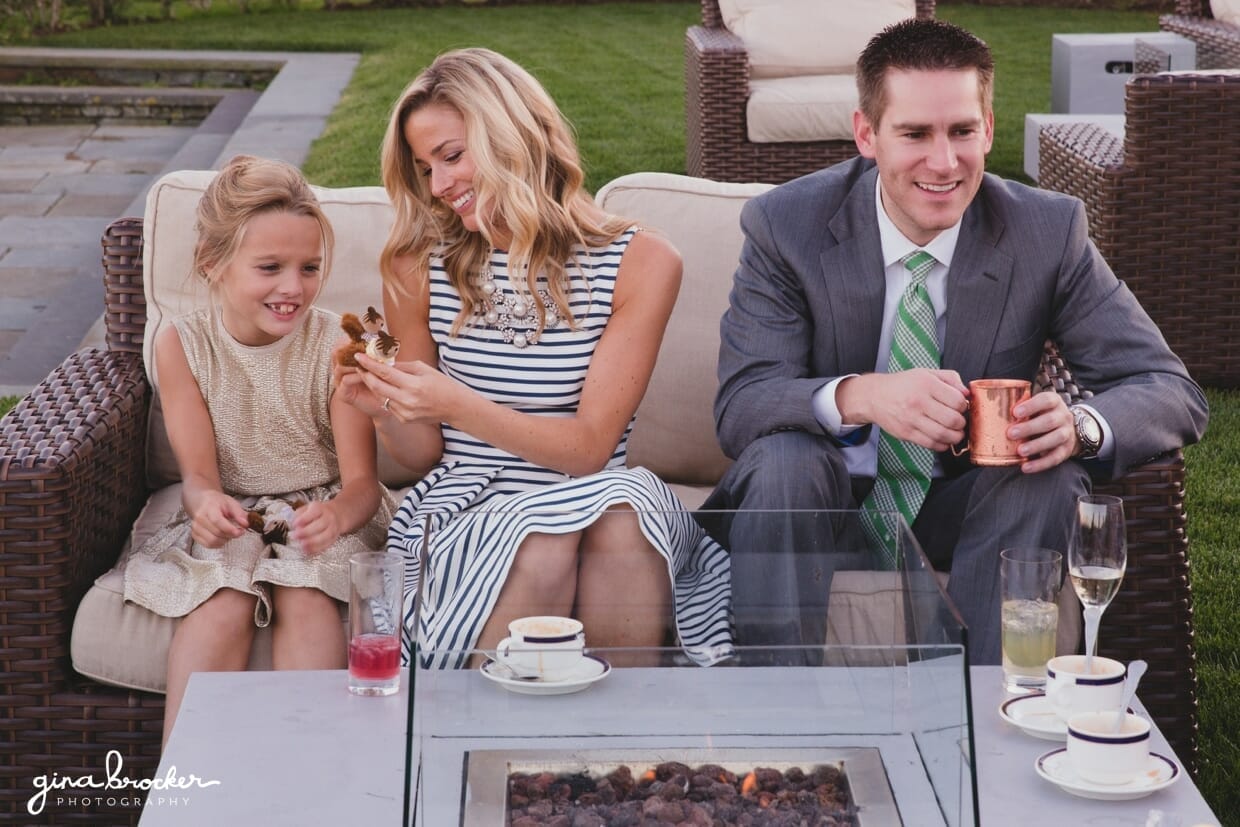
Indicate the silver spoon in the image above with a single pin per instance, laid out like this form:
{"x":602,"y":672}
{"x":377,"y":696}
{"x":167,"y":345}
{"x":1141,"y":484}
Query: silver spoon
{"x":1135,"y":670}
{"x":512,"y":674}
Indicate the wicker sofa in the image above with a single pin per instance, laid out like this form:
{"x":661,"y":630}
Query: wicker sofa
{"x":717,"y":89}
{"x":75,"y":471}
{"x":1218,"y":41}
{"x":1162,"y":207}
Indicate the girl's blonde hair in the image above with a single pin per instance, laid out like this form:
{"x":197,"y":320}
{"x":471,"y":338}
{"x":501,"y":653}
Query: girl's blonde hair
{"x":247,"y":187}
{"x":528,"y":181}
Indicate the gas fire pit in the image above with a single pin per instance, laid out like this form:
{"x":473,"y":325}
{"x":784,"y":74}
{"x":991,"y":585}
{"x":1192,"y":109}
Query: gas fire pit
{"x":871,"y":729}
{"x":835,"y":787}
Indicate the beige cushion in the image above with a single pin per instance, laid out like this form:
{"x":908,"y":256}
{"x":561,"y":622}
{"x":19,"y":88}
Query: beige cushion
{"x":675,"y":432}
{"x":1226,"y":10}
{"x":360,"y":217}
{"x":808,"y":37}
{"x":806,"y":108}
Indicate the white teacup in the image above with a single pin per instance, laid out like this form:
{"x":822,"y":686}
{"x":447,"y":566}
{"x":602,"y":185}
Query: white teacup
{"x":1071,"y":690}
{"x":1103,"y":756}
{"x":546,"y":647}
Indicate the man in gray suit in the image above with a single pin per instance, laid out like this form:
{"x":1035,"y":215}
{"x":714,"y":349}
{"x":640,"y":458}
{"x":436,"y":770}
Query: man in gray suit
{"x":809,"y":381}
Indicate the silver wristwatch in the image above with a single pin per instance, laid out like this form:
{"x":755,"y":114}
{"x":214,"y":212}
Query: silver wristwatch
{"x":1088,"y":432}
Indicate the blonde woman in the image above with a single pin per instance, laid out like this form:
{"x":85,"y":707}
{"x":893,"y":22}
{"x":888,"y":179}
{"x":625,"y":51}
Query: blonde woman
{"x":531,"y":321}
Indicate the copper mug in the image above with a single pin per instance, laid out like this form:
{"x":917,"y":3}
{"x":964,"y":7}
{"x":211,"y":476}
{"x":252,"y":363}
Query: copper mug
{"x":990,"y":413}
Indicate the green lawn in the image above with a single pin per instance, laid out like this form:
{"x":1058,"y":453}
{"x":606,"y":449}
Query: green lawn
{"x":625,"y":95}
{"x":617,"y":71}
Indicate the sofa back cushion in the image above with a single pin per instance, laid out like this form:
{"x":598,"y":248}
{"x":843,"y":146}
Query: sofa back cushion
{"x":675,"y":432}
{"x":808,"y":37}
{"x":360,"y":217}
{"x":1226,"y":10}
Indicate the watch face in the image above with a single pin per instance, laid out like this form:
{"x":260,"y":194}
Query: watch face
{"x":1088,"y":430}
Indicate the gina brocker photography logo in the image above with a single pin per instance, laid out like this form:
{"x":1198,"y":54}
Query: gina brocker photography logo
{"x":113,"y":790}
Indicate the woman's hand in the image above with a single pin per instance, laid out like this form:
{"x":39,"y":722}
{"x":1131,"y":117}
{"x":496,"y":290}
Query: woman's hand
{"x":410,"y":391}
{"x":217,"y":518}
{"x":316,"y":526}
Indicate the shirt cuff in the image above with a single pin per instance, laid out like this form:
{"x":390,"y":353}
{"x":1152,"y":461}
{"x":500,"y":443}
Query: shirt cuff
{"x":829,"y":417}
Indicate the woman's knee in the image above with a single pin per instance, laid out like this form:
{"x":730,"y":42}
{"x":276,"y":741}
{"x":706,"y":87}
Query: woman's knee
{"x":547,"y":558}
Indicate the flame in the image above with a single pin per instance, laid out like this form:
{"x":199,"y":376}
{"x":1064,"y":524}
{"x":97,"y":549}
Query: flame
{"x":648,"y":775}
{"x":749,"y":784}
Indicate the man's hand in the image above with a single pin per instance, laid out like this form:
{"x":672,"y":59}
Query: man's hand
{"x":923,"y":406}
{"x":1048,"y":436}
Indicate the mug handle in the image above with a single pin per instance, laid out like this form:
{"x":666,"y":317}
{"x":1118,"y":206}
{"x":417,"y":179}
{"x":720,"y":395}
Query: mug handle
{"x":957,"y":451}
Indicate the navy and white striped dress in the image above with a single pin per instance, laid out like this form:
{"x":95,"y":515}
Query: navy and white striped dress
{"x":479,"y":503}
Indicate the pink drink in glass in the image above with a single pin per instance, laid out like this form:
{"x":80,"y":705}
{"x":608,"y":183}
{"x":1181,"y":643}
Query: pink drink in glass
{"x":374,"y":657}
{"x":375,"y":581}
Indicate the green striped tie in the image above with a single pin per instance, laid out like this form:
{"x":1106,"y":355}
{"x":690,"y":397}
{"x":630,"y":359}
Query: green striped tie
{"x":904,"y":467}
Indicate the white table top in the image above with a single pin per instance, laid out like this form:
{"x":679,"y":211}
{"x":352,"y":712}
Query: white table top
{"x":295,"y":748}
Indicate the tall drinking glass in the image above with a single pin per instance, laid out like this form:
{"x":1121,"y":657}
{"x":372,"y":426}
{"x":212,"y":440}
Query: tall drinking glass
{"x":1097,"y":557}
{"x":375,"y":580}
{"x":1029,"y":580}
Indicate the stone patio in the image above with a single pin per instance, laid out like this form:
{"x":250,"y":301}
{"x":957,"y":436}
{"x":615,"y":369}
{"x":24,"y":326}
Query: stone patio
{"x":61,"y":184}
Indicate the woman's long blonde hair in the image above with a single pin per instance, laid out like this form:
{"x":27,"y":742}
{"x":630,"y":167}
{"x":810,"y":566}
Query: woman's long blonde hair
{"x":528,"y":181}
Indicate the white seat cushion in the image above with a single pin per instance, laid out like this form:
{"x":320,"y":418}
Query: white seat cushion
{"x":785,"y":38}
{"x":807,"y":108}
{"x":1226,"y":10}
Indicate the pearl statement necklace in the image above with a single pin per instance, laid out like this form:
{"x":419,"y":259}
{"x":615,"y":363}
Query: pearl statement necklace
{"x":514,"y":317}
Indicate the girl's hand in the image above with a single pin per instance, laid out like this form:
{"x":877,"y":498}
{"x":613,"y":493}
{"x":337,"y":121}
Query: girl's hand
{"x":217,"y":518}
{"x":317,"y":526}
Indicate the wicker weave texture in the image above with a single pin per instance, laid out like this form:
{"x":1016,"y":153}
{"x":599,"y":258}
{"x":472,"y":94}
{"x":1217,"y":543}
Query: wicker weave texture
{"x":71,"y":485}
{"x":717,"y":144}
{"x":1163,"y":209}
{"x":124,"y":299}
{"x":1218,"y":43}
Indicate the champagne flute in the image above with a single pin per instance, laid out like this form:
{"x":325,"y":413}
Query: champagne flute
{"x":1097,"y":557}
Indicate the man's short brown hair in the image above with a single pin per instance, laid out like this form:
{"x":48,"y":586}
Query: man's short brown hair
{"x":925,"y":45}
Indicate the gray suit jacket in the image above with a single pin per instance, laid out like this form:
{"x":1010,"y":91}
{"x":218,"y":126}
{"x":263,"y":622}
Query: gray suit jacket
{"x":807,"y":302}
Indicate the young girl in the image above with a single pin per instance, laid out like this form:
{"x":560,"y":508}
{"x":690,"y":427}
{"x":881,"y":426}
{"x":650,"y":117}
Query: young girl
{"x":529,"y":323}
{"x":246,"y":389}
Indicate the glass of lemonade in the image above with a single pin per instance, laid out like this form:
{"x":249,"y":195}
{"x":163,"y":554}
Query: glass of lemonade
{"x":1029,"y":584}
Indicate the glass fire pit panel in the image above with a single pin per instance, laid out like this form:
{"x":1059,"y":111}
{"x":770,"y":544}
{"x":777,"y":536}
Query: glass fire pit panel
{"x":862,"y":719}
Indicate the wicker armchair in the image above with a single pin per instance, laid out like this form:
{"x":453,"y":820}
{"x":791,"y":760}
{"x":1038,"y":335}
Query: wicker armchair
{"x":1162,"y":208}
{"x":1218,"y":43}
{"x":716,"y":89}
{"x":72,"y":480}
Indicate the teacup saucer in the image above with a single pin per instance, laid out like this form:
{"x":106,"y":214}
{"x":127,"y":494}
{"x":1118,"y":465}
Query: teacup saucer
{"x":1055,"y":768}
{"x":1034,"y":715}
{"x":592,"y":668}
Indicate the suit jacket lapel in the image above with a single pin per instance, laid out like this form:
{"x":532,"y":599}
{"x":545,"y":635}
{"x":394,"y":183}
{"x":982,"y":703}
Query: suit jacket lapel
{"x":977,"y":290}
{"x":853,"y":271}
